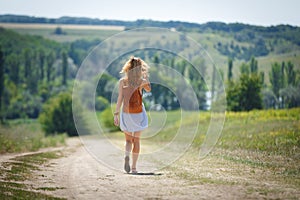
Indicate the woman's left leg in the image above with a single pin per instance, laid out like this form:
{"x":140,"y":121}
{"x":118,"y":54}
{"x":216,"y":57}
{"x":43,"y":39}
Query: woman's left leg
{"x":128,"y":149}
{"x":136,"y":149}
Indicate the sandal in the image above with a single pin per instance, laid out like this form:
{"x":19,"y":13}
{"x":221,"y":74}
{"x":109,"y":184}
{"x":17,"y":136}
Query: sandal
{"x":126,"y":165}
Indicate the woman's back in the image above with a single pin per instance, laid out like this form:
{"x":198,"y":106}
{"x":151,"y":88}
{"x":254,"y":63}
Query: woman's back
{"x":132,"y":98}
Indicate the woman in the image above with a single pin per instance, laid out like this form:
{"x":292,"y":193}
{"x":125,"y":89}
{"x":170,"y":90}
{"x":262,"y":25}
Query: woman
{"x":133,"y":118}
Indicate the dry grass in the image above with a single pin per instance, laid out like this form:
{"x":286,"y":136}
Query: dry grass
{"x":23,"y":136}
{"x":63,"y":26}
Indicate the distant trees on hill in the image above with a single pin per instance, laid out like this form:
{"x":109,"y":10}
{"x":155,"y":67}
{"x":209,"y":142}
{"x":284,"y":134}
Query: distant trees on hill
{"x":1,"y":84}
{"x":250,"y":91}
{"x":33,"y":70}
{"x":232,"y":50}
{"x":284,"y":85}
{"x":30,"y":65}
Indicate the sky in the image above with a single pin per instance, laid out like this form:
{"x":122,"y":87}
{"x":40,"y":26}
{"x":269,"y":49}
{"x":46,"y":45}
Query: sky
{"x":254,"y":12}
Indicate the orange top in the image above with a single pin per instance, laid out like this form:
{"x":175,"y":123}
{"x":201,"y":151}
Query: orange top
{"x":132,"y":96}
{"x":132,"y":100}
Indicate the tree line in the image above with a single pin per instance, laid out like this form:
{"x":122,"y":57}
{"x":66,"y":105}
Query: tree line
{"x":241,"y":32}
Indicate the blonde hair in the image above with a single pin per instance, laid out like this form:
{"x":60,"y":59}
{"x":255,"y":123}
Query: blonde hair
{"x":135,"y":69}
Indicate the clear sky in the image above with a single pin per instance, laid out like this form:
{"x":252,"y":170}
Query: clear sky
{"x":255,"y":12}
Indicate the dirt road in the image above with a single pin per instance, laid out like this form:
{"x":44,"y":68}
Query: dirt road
{"x":78,"y":175}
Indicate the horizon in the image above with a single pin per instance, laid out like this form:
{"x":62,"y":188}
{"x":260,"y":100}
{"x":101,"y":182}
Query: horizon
{"x":253,"y":12}
{"x":227,"y":23}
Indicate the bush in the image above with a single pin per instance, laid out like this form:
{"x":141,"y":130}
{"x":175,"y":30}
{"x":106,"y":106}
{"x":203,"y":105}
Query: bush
{"x":57,"y":116}
{"x":23,"y":106}
{"x":59,"y":31}
{"x":101,"y":103}
{"x":107,"y":120}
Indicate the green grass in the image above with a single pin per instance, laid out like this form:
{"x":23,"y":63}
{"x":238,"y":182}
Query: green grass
{"x":276,"y":132}
{"x":20,"y":169}
{"x":267,"y":139}
{"x":7,"y":192}
{"x":22,"y":136}
{"x":273,"y":131}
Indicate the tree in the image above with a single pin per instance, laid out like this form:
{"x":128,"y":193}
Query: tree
{"x":245,"y":69}
{"x":59,"y":31}
{"x":156,"y":59}
{"x":230,"y":65}
{"x":102,"y":87}
{"x":50,"y":62}
{"x":250,"y":92}
{"x":291,"y":74}
{"x":213,"y":83}
{"x":275,"y":78}
{"x":1,"y":82}
{"x":245,"y":94}
{"x":42,"y":63}
{"x":33,"y":77}
{"x":283,"y":81}
{"x":57,"y":116}
{"x":64,"y":68}
{"x":233,"y":96}
{"x":290,"y":96}
{"x":262,"y":78}
{"x":101,"y":103}
{"x":24,"y":105}
{"x":253,"y":65}
{"x":269,"y":98}
{"x":13,"y":63}
{"x":27,"y":63}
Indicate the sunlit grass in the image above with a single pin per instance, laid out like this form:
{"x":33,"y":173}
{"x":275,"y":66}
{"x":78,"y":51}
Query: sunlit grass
{"x":22,"y":136}
{"x":274,"y":131}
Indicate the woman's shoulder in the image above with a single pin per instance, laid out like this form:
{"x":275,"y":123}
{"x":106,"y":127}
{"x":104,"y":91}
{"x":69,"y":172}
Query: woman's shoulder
{"x":123,"y":81}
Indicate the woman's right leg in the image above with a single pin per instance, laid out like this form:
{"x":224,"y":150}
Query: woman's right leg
{"x":136,"y":149}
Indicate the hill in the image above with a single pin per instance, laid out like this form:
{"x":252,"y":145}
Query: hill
{"x":236,"y":40}
{"x":31,"y":38}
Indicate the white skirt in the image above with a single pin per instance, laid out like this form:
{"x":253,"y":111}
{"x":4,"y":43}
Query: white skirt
{"x":133,"y":122}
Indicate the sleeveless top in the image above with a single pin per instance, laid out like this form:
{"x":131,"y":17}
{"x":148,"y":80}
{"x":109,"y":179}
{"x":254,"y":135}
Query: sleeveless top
{"x":132,"y":102}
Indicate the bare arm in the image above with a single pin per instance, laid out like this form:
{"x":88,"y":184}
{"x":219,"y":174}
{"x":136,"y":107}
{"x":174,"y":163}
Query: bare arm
{"x":146,"y":85}
{"x":119,"y":103}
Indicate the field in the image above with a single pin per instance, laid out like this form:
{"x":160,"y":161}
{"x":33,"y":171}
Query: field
{"x":257,"y":156}
{"x":72,"y":32}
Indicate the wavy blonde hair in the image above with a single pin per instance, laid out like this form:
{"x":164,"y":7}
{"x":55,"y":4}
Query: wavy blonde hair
{"x":135,"y":69}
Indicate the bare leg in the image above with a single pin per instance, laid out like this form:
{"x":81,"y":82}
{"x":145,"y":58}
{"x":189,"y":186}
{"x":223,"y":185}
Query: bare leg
{"x":128,"y":148}
{"x":136,"y":149}
{"x":128,"y":143}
